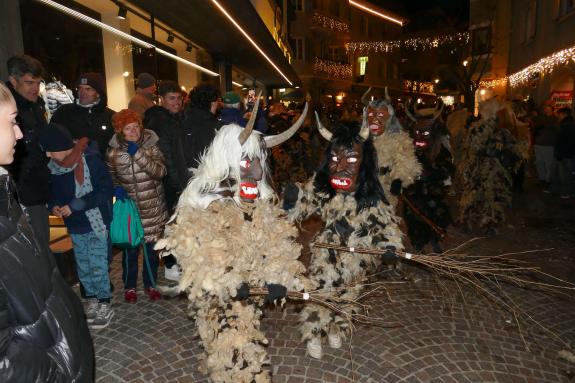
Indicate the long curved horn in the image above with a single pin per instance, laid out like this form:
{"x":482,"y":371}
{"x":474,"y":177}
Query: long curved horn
{"x":245,"y":134}
{"x":277,"y":139}
{"x":438,"y":113}
{"x":323,"y":131}
{"x":387,"y":95}
{"x":407,"y":112}
{"x":364,"y":132}
{"x":364,"y":100}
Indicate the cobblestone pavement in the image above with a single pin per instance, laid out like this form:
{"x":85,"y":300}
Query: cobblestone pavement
{"x":448,"y":334}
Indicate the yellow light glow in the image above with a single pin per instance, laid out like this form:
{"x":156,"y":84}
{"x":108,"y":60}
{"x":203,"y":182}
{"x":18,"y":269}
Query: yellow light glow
{"x":126,"y":74}
{"x":250,"y":40}
{"x":183,"y":88}
{"x":465,"y":62}
{"x":482,"y":92}
{"x":237,"y":84}
{"x":375,"y":13}
{"x":436,"y":80}
{"x":124,"y":35}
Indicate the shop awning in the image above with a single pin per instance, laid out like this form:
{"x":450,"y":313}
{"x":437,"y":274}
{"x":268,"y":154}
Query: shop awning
{"x":205,"y":25}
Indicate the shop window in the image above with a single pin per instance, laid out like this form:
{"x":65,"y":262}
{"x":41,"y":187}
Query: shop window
{"x":362,"y":64}
{"x":481,"y":41}
{"x":566,"y":6}
{"x":64,"y":55}
{"x":144,"y":60}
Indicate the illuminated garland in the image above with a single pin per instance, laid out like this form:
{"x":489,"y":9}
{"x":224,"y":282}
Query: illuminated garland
{"x":418,"y":86}
{"x":544,"y":65}
{"x":416,"y":43}
{"x":332,"y":68}
{"x":328,"y":22}
{"x":493,"y":83}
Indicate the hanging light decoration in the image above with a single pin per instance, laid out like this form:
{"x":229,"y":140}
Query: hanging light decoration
{"x":328,"y":22}
{"x":332,"y":68}
{"x":416,"y":43}
{"x":543,"y":66}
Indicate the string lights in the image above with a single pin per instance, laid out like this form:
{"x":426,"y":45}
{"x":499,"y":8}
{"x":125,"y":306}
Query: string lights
{"x":328,"y":22}
{"x":543,"y":66}
{"x":418,"y":86}
{"x":332,"y":68}
{"x":493,"y":83}
{"x":416,"y":43}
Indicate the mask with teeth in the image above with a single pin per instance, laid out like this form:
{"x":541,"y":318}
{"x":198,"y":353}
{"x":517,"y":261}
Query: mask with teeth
{"x":376,"y":119}
{"x":344,"y":164}
{"x":251,"y":173}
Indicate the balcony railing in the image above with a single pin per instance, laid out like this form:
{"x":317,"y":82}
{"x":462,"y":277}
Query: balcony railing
{"x":332,"y":68}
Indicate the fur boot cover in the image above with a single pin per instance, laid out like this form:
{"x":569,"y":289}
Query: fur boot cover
{"x":396,"y":160}
{"x":491,"y":157}
{"x":371,"y":227}
{"x":219,"y":249}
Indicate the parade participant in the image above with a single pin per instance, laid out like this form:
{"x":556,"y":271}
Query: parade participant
{"x":346,"y":192}
{"x":491,"y":158}
{"x":228,"y":235}
{"x":426,"y":211}
{"x":397,"y":163}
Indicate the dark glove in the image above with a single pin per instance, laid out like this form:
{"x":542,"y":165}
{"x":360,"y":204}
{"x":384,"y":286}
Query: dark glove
{"x":120,"y":193}
{"x":132,"y":148}
{"x":389,"y":256}
{"x":243,"y":292}
{"x":275,"y":291}
{"x":395,"y":188}
{"x":290,"y":195}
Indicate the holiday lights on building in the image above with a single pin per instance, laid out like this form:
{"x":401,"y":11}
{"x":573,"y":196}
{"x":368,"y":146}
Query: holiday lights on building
{"x":543,"y":66}
{"x":332,"y":68}
{"x":493,"y":83}
{"x":328,"y":22}
{"x":416,"y":43}
{"x":418,"y":86}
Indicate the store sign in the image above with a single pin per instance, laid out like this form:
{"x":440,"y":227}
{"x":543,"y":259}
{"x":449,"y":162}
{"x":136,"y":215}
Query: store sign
{"x":562,"y":99}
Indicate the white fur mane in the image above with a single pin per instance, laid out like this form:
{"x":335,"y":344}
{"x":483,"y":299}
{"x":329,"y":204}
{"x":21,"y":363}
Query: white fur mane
{"x":221,"y":161}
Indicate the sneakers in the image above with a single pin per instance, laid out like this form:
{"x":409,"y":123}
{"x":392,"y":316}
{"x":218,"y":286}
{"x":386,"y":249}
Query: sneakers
{"x":153,"y":294}
{"x":91,"y":309}
{"x":314,"y":348}
{"x":172,"y":273}
{"x":130,"y":296}
{"x":103,"y":316}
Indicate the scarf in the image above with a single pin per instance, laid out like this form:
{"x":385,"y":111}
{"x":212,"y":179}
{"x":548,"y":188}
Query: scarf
{"x":76,"y":162}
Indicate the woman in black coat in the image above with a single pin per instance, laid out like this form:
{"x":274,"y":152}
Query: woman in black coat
{"x":43,"y":334}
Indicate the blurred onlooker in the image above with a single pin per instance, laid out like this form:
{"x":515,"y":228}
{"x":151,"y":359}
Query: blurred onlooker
{"x":233,"y":113}
{"x":145,"y":94}
{"x":30,"y":168}
{"x":200,"y":122}
{"x":43,"y":335}
{"x":137,"y":167}
{"x":562,"y":178}
{"x":82,"y":196}
{"x":90,"y":116}
{"x":544,"y":136}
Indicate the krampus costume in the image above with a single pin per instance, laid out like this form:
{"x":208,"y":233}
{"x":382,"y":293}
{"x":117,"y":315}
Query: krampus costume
{"x":491,"y":157}
{"x":427,"y":194}
{"x":398,"y":166}
{"x":227,"y":234}
{"x":347,"y":194}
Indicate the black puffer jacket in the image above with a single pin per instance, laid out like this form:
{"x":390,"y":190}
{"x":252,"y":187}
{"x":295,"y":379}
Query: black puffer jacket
{"x":94,"y":123}
{"x":30,"y":166}
{"x":43,"y":334}
{"x":199,"y":128}
{"x":167,"y":126}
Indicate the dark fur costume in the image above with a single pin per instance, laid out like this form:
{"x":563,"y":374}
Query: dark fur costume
{"x":429,"y":190}
{"x":491,"y":157}
{"x":362,"y":219}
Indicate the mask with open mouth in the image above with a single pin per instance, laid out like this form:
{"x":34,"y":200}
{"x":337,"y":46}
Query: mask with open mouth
{"x":376,"y":119}
{"x":344,"y":164}
{"x":250,"y":174}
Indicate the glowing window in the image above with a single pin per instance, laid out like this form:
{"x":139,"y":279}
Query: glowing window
{"x":362,"y":61}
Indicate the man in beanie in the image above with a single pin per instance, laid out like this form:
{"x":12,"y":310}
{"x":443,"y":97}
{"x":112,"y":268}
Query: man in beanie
{"x":89,"y":116}
{"x":82,"y":195}
{"x":233,"y":113}
{"x":145,"y":94}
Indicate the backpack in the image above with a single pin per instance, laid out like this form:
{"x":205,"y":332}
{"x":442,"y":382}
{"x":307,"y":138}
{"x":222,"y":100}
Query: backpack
{"x":126,"y":230}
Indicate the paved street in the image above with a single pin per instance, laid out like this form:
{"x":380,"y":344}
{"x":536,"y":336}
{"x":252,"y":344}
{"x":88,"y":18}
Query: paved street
{"x":447,"y":334}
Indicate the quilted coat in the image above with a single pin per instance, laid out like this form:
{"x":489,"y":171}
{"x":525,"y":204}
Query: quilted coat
{"x":43,"y":334}
{"x":141,"y":175}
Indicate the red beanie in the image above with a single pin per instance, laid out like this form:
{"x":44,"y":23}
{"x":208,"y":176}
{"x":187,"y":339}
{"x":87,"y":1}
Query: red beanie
{"x":123,"y":118}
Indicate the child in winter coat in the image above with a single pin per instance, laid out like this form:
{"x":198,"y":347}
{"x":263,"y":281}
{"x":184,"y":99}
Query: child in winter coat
{"x":82,"y":195}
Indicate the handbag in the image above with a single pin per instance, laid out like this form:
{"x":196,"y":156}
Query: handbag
{"x":126,"y":229}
